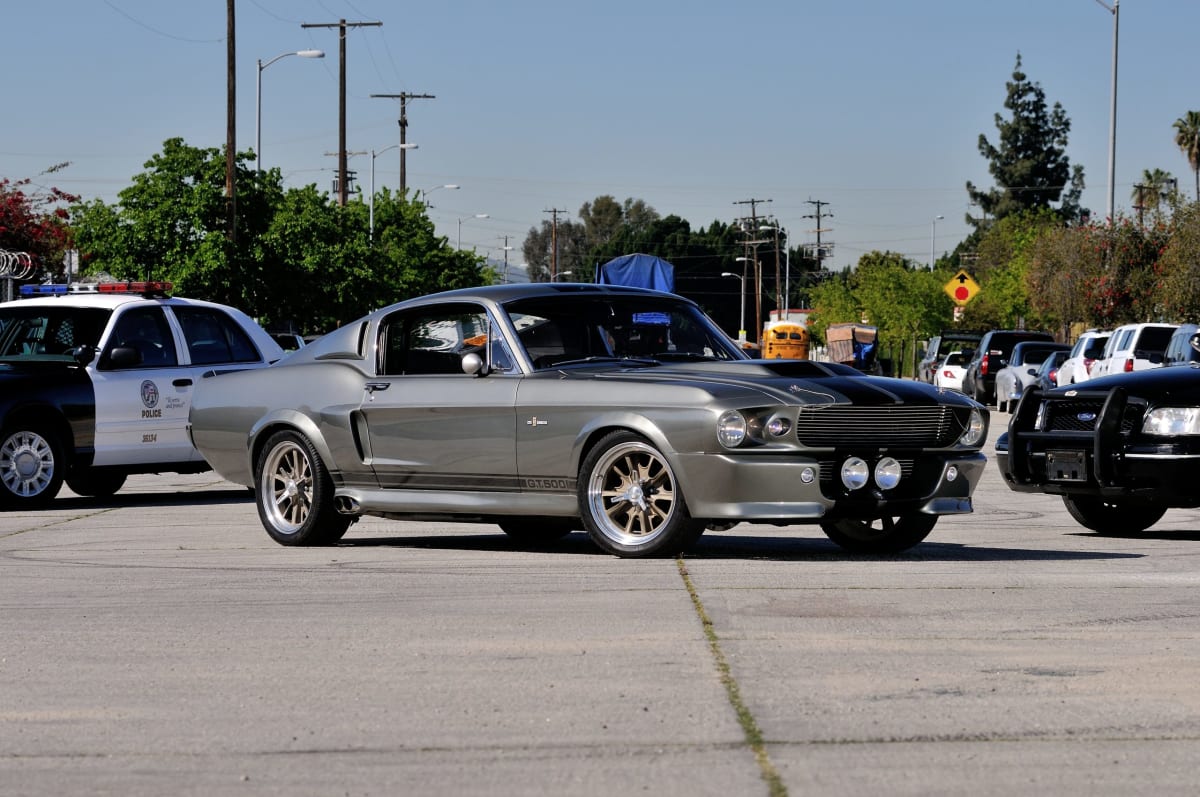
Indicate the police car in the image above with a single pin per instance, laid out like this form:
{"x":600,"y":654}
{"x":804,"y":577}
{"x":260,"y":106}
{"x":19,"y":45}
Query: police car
{"x":96,"y":381}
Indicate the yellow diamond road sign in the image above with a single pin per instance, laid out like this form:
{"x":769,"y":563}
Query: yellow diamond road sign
{"x":961,"y":288}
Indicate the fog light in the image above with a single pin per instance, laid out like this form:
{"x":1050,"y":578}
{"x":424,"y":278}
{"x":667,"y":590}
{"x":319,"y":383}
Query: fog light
{"x":951,"y":473}
{"x":808,"y":475}
{"x":778,"y":427}
{"x":887,"y":473}
{"x":855,"y":473}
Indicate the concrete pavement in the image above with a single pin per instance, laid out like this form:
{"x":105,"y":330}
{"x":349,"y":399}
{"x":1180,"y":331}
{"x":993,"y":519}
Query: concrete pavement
{"x":160,"y":643}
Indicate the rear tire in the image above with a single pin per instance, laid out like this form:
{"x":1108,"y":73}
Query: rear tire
{"x":96,"y":485}
{"x":1112,"y":517}
{"x":886,"y":535}
{"x":294,"y":493}
{"x":534,"y":530}
{"x":31,"y":466}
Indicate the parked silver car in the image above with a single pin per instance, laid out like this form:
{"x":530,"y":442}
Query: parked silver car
{"x":546,"y":408}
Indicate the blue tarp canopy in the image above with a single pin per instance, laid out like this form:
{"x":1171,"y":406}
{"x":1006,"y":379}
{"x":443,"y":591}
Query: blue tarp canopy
{"x":639,"y":271}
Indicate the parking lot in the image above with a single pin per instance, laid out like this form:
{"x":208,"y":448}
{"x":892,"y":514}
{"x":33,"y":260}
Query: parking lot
{"x":160,"y":643}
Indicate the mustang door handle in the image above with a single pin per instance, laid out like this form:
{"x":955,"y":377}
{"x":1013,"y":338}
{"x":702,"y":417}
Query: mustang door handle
{"x":182,"y":382}
{"x":373,"y":386}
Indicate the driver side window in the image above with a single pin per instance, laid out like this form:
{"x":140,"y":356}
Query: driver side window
{"x":434,"y":340}
{"x":145,"y":330}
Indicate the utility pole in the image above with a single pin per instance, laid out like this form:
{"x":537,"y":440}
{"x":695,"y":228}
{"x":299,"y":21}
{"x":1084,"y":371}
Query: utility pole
{"x":506,"y":249}
{"x":554,"y":241}
{"x":404,"y":97}
{"x":818,"y":204}
{"x":230,"y":123}
{"x":341,"y":25}
{"x":751,"y":244}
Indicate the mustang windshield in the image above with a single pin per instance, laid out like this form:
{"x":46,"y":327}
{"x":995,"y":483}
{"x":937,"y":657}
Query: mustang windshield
{"x":570,"y":329}
{"x":48,"y":333}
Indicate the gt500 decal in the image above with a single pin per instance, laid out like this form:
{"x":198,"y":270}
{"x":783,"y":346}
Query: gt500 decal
{"x":549,"y":484}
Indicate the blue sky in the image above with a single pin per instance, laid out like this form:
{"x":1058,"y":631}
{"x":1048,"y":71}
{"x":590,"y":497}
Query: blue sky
{"x":693,"y":106}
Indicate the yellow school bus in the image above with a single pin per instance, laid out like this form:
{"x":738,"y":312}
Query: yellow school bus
{"x":785,"y":340}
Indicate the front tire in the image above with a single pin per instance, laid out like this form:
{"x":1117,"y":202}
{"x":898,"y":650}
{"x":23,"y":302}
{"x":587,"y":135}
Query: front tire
{"x":630,"y":500}
{"x":294,"y":493}
{"x":31,"y":467}
{"x":1111,"y":517}
{"x":886,"y":535}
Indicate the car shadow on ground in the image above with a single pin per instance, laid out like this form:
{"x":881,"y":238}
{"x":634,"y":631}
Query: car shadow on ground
{"x":1151,"y":534}
{"x":126,"y":499}
{"x":739,"y":546}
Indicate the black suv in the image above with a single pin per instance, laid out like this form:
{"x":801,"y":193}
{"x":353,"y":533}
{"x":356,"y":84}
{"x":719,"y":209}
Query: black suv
{"x":941,"y":345}
{"x":979,"y":379}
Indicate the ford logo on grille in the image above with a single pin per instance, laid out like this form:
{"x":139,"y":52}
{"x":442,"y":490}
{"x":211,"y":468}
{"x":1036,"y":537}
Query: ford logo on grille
{"x":1086,"y":417}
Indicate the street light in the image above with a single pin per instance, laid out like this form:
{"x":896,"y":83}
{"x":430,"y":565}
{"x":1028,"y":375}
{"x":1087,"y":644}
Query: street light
{"x":460,"y":221}
{"x":933,"y":238}
{"x":1115,"y":10}
{"x":258,"y":99}
{"x":742,"y":316}
{"x":425,"y":193}
{"x":757,"y":294}
{"x":371,"y":203}
{"x":561,"y":274}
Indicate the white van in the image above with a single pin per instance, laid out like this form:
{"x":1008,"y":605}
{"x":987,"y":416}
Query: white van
{"x":1134,"y":347}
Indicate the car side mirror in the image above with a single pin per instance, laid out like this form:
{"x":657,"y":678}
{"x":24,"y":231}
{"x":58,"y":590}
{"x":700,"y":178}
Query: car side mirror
{"x":1194,"y":341}
{"x":124,"y":357}
{"x":83,"y":354}
{"x":474,"y":365}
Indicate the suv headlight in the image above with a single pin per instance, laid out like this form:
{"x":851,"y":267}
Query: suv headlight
{"x":976,"y":430}
{"x":1172,"y":421}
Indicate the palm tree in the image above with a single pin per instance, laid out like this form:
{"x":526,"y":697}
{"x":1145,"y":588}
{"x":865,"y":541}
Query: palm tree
{"x":1187,"y":138}
{"x":1152,"y":190}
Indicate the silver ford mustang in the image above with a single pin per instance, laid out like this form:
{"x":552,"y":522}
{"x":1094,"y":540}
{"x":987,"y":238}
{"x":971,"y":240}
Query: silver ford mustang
{"x":552,"y":407}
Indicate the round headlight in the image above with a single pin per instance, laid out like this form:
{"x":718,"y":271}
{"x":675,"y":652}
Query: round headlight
{"x":887,"y":473}
{"x":855,"y":473}
{"x":976,"y":429}
{"x":731,"y":429}
{"x":778,"y":427}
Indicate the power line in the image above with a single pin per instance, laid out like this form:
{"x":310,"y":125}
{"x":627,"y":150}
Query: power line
{"x":404,"y":97}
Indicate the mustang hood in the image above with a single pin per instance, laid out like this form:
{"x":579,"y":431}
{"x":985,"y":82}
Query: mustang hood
{"x":798,"y":382}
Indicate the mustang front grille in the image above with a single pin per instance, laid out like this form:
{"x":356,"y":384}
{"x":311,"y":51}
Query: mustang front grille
{"x":844,"y":426}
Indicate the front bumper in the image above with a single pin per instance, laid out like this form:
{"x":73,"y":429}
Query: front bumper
{"x":794,"y":488}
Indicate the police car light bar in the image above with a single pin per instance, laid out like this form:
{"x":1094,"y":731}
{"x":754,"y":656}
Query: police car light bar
{"x":58,"y":289}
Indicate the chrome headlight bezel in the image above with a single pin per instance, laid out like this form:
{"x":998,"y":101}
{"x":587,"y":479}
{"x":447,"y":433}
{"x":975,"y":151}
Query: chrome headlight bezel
{"x":1171,"y":422}
{"x":976,"y":430}
{"x":732,"y":429}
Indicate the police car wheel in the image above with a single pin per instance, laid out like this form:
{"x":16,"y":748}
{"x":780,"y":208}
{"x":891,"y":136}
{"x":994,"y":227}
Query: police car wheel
{"x":31,"y":464}
{"x":294,"y":493}
{"x":96,"y":485}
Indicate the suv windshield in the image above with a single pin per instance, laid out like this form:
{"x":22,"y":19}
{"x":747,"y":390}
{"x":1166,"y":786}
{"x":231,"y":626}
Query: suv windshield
{"x":568,"y":329}
{"x":48,"y":333}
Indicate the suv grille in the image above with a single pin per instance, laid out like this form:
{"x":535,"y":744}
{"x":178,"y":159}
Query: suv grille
{"x":844,"y":426}
{"x":1080,"y":415}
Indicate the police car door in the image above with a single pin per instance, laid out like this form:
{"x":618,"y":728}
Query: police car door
{"x":142,"y":392}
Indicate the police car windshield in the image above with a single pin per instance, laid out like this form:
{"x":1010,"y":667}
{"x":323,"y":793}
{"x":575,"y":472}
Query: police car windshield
{"x":48,"y":333}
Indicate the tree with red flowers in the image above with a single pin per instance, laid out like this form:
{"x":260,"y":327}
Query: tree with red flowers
{"x":34,"y":221}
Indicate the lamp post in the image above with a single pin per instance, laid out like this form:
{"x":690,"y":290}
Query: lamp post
{"x":1115,"y":10}
{"x":371,"y":203}
{"x":426,"y":192}
{"x":258,"y":99}
{"x":757,"y":291}
{"x":742,"y":313}
{"x":461,"y":220}
{"x":933,"y":239}
{"x":559,"y":277}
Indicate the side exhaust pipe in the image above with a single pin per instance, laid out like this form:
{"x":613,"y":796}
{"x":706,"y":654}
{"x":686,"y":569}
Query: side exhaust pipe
{"x":346,"y":505}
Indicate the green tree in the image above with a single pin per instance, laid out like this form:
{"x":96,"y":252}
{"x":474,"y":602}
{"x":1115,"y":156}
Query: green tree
{"x":558,"y":248}
{"x":1187,"y":138}
{"x":1003,"y":258}
{"x":1155,"y":188}
{"x":1029,"y":162}
{"x":297,"y":256}
{"x":1178,"y":288}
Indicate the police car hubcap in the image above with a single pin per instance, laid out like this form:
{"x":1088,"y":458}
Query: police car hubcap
{"x":26,"y":463}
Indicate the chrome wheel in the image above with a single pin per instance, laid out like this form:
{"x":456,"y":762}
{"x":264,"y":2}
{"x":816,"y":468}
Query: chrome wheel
{"x":631,"y":501}
{"x":29,"y":467}
{"x":287,"y":487}
{"x":295,"y":493}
